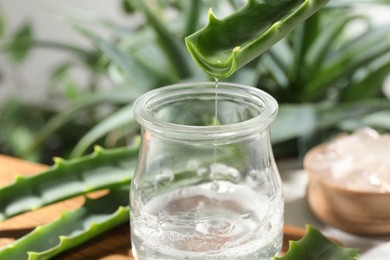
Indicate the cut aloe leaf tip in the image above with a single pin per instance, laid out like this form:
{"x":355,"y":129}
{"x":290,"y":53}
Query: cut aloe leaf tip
{"x":224,"y":46}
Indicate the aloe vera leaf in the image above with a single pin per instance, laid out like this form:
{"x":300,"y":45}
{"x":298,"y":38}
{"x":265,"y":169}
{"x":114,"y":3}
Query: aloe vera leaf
{"x":370,"y":85}
{"x":23,"y":35}
{"x":83,"y":103}
{"x":379,"y":121}
{"x":2,"y":24}
{"x":333,"y":116}
{"x":314,"y":245}
{"x":276,"y":71}
{"x":224,"y":46}
{"x":146,"y":53}
{"x":138,"y":75}
{"x":313,"y":117}
{"x":25,"y":45}
{"x":122,"y":117}
{"x":76,"y":227}
{"x":358,"y":53}
{"x":302,"y":39}
{"x":173,"y":50}
{"x":290,"y":114}
{"x":192,"y":16}
{"x":282,"y":54}
{"x":323,"y":43}
{"x":99,"y":170}
{"x":72,"y":228}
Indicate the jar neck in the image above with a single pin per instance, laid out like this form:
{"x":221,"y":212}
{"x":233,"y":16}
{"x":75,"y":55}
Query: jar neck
{"x":186,"y":111}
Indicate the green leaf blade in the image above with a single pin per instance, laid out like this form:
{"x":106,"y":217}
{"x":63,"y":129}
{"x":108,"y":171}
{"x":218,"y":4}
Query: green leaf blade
{"x":101,"y":170}
{"x":121,"y":118}
{"x":72,"y":228}
{"x":119,"y":97}
{"x":224,"y":46}
{"x":2,"y":25}
{"x":22,"y":43}
{"x":316,"y":246}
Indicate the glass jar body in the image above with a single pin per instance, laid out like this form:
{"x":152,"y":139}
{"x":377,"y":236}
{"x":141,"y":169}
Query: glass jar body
{"x":206,"y":184}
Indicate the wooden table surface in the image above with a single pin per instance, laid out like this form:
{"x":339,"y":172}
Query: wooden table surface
{"x":113,"y":245}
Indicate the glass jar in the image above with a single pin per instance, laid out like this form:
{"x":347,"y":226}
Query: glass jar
{"x":206,"y":185}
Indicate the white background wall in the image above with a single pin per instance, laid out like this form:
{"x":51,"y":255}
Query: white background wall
{"x":28,"y":80}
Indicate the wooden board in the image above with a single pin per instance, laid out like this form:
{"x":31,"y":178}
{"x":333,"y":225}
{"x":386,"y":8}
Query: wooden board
{"x":113,"y":245}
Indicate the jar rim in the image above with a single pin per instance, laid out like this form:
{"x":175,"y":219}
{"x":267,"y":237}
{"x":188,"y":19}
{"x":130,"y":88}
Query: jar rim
{"x":245,"y":127}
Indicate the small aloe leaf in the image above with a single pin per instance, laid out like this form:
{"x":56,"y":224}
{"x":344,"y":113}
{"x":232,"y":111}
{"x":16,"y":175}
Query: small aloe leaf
{"x":224,"y":46}
{"x":371,"y":84}
{"x":2,"y":24}
{"x":303,"y":38}
{"x":379,"y":121}
{"x":269,"y":62}
{"x":359,"y":53}
{"x":322,"y":45}
{"x":282,"y":54}
{"x":306,"y":115}
{"x":333,"y":116}
{"x":316,"y":246}
{"x":24,"y":37}
{"x":127,"y":6}
{"x":192,"y":16}
{"x":118,"y":97}
{"x":24,"y":42}
{"x":314,"y":117}
{"x":120,"y":118}
{"x":120,"y":57}
{"x":99,"y":170}
{"x":171,"y":47}
{"x":72,"y":228}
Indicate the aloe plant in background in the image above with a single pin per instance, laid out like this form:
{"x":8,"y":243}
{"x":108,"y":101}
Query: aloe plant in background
{"x":313,"y":73}
{"x":319,"y":74}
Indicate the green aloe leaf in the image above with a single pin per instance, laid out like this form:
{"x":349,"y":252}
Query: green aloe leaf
{"x":138,"y":75}
{"x":127,"y":6}
{"x":314,"y":117}
{"x":170,"y":45}
{"x":370,"y":85}
{"x":317,"y":53}
{"x":118,"y":97}
{"x":192,"y":16}
{"x":316,"y":246}
{"x":379,"y":121}
{"x":2,"y":24}
{"x":283,"y":55}
{"x":24,"y":37}
{"x":356,"y":54}
{"x":277,"y":72}
{"x":224,"y":46}
{"x":101,"y":170}
{"x":72,"y":228}
{"x":24,"y":42}
{"x":302,"y":40}
{"x":288,"y":115}
{"x":120,"y":118}
{"x":333,"y":116}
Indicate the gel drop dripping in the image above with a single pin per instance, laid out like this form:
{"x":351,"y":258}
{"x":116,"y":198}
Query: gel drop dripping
{"x":215,"y":121}
{"x":214,"y":184}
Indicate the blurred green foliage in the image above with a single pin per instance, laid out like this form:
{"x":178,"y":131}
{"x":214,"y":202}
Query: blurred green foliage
{"x":325,"y":78}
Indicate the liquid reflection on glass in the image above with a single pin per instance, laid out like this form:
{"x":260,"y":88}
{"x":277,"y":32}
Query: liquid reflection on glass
{"x":206,"y":185}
